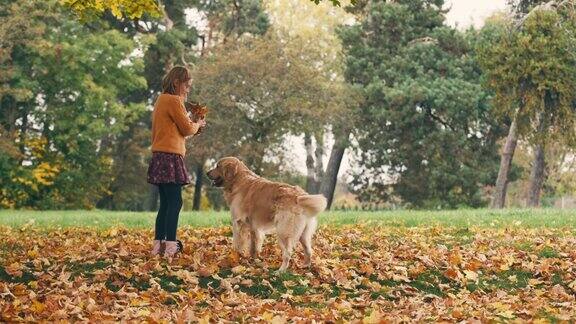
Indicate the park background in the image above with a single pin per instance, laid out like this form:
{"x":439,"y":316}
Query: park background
{"x":377,"y":105}
{"x":411,"y":116}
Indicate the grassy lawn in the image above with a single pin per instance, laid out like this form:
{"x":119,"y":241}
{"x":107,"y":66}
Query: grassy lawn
{"x":549,"y":218}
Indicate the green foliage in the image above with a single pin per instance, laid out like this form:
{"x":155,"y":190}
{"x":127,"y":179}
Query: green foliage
{"x":532,"y":71}
{"x":78,"y":81}
{"x":523,"y":6}
{"x":132,"y":9}
{"x":427,"y":134}
{"x":335,"y":2}
{"x":257,"y":92}
{"x":234,"y":18}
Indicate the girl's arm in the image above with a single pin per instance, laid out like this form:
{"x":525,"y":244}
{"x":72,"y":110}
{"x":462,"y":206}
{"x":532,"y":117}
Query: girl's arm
{"x":186,"y":127}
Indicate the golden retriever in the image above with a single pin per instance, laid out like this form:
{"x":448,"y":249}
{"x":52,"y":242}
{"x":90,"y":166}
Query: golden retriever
{"x":261,"y":207}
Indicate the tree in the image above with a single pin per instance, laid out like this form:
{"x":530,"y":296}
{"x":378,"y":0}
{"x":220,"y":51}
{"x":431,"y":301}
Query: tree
{"x":531,"y":70}
{"x":559,"y":180}
{"x":427,"y":134}
{"x":132,"y":9}
{"x":168,"y":39}
{"x":311,"y":35}
{"x":522,"y":7}
{"x":492,"y":31}
{"x":77,"y":81}
{"x":257,"y":93}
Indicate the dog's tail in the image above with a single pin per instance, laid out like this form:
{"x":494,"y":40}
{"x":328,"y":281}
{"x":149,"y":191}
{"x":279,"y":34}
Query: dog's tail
{"x":312,"y":204}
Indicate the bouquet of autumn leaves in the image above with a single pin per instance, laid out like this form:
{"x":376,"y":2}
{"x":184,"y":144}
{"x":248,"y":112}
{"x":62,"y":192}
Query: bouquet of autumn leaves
{"x":196,"y":111}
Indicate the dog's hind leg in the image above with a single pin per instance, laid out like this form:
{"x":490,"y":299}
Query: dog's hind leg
{"x":289,"y":227}
{"x":306,"y":240}
{"x":286,"y":244}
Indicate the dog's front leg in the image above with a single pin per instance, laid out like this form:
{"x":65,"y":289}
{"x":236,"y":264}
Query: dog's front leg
{"x":236,"y":236}
{"x":241,"y":238}
{"x":256,"y":241}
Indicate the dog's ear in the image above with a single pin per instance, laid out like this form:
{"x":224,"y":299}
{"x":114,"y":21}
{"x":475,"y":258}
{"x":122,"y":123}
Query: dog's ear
{"x":230,"y":170}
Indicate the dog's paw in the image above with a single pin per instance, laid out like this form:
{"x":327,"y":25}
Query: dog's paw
{"x":281,"y":270}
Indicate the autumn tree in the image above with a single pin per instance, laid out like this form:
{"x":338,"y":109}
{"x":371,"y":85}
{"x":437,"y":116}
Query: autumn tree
{"x":258,"y":93}
{"x":309,"y":31}
{"x":131,"y":9}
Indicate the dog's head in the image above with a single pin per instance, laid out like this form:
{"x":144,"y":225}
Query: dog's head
{"x":225,"y":171}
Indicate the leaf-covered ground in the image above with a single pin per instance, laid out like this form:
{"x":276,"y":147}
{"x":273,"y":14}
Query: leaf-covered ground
{"x":361,"y":272}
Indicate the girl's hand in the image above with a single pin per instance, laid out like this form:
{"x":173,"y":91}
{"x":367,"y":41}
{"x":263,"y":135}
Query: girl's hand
{"x":201,"y":124}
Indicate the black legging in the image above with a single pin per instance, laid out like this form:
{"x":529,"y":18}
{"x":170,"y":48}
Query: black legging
{"x":170,"y":205}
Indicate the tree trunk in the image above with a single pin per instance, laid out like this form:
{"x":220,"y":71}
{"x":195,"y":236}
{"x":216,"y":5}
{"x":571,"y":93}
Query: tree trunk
{"x":499,"y":197}
{"x":539,"y":165}
{"x":331,"y":175}
{"x":153,"y":195}
{"x":319,"y":167}
{"x":310,"y":175}
{"x":536,"y":177}
{"x":198,"y":186}
{"x":23,"y":134}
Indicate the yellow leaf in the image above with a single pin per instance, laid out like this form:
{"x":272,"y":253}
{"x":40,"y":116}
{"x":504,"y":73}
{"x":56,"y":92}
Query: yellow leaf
{"x":116,"y":11}
{"x":534,"y":282}
{"x":14,"y":269}
{"x":500,"y":307}
{"x":572,"y":285}
{"x":374,"y":318}
{"x":139,"y":302}
{"x":396,"y":277}
{"x":143,"y":313}
{"x":471,"y":275}
{"x":33,"y":253}
{"x":507,"y":314}
{"x":37,"y":307}
{"x":267,"y":316}
{"x":238,"y":269}
{"x":455,"y":258}
{"x":205,"y":319}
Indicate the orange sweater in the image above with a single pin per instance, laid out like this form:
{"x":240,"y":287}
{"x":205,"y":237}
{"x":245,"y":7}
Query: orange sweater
{"x":171,"y":125}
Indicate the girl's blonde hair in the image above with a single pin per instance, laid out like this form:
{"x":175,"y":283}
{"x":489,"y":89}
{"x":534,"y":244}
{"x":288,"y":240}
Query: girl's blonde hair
{"x":177,"y":75}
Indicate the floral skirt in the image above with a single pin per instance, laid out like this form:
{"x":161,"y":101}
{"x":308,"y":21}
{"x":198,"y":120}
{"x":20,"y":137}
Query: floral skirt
{"x":167,"y":168}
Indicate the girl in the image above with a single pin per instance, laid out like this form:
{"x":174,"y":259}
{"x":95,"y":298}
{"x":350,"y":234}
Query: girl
{"x":170,"y":127}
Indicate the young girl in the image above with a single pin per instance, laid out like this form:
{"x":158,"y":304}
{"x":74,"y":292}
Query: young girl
{"x":170,"y":127}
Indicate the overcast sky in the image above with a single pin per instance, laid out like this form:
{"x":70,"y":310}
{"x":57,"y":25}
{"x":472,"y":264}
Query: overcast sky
{"x":464,"y":13}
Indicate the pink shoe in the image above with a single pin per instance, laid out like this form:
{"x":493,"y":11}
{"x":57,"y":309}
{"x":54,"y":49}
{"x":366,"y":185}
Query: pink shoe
{"x":157,"y":247}
{"x":172,"y":248}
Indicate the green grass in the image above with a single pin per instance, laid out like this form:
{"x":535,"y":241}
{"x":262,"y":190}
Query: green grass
{"x":552,"y":218}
